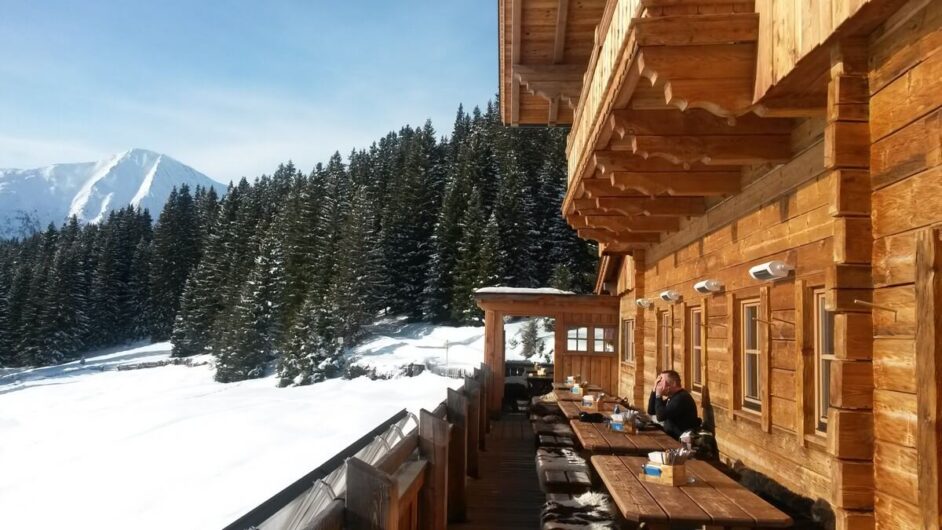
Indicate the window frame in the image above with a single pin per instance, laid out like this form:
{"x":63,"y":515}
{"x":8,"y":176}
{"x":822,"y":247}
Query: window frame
{"x":695,"y":332}
{"x":746,"y":402}
{"x":577,"y":339}
{"x":613,"y":340}
{"x":822,"y":358}
{"x":628,"y":341}
{"x":665,"y":347}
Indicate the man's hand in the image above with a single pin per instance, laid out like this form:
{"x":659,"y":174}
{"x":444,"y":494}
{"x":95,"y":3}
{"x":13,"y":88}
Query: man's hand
{"x":659,"y":386}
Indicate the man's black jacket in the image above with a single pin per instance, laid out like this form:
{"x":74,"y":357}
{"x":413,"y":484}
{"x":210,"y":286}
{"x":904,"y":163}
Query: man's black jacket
{"x":677,"y":414}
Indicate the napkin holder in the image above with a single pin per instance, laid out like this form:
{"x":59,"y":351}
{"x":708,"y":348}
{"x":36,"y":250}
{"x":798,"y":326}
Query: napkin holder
{"x":626,"y":426}
{"x":664,"y":474}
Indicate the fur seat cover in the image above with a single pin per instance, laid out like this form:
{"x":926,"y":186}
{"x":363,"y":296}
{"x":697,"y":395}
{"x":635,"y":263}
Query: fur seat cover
{"x":591,"y":510}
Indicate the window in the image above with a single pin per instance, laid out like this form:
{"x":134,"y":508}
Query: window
{"x":577,"y":339}
{"x":749,"y":348}
{"x":823,"y":355}
{"x":696,"y":349}
{"x":665,"y":340}
{"x":628,"y":341}
{"x":604,"y":340}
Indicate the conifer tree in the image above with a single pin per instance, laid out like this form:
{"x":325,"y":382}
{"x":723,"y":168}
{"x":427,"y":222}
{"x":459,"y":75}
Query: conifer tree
{"x":175,"y":252}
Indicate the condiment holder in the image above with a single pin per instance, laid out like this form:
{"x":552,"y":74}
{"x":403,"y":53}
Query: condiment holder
{"x":666,"y":467}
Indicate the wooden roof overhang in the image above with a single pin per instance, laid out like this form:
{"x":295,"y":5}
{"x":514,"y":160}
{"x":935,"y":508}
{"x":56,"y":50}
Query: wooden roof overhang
{"x":548,"y":305}
{"x":545,"y":49}
{"x":670,"y":121}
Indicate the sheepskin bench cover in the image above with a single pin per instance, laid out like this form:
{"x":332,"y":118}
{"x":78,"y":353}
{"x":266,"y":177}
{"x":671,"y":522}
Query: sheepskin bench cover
{"x":551,"y":440}
{"x":544,"y":405}
{"x":548,"y":418}
{"x":591,"y":511}
{"x":557,"y":429}
{"x":562,"y":470}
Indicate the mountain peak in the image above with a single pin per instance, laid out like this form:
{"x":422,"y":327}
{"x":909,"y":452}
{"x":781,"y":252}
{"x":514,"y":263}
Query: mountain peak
{"x":31,"y":199}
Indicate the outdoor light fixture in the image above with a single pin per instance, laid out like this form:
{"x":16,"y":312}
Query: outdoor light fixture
{"x":708,"y":286}
{"x":643,"y":303}
{"x":770,"y":270}
{"x":670,"y":296}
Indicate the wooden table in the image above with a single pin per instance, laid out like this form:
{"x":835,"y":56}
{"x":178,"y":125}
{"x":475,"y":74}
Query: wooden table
{"x":572,"y":409}
{"x":598,"y":438}
{"x":563,"y":394}
{"x":711,"y":498}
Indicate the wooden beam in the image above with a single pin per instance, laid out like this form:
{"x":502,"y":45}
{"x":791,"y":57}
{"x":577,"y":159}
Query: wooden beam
{"x":559,"y":44}
{"x":679,"y":30}
{"x":620,"y":223}
{"x":675,"y":206}
{"x":697,"y":62}
{"x":620,"y":248}
{"x":722,"y":150}
{"x":929,"y":374}
{"x":515,"y":41}
{"x":607,"y":236}
{"x":604,"y":188}
{"x":695,"y":122}
{"x":610,"y":160}
{"x":678,"y":183}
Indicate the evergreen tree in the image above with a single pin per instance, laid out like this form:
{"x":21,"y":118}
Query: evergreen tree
{"x":175,"y":252}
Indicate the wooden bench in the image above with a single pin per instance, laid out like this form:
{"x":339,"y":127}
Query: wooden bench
{"x":710,"y":498}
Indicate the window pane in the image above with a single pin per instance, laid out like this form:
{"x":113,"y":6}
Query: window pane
{"x":571,"y":345}
{"x":751,"y":379}
{"x":750,"y":326}
{"x":824,"y":399}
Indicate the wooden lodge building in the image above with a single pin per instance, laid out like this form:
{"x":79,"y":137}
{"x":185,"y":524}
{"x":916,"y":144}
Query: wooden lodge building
{"x":709,"y":137}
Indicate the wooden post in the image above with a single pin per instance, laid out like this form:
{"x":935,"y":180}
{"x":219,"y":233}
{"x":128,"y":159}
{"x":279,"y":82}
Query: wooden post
{"x":473,"y":391}
{"x":433,"y":446}
{"x":488,"y":385}
{"x":372,"y":498}
{"x":494,"y":356}
{"x":457,"y":405}
{"x":929,"y":374}
{"x":481,"y":377}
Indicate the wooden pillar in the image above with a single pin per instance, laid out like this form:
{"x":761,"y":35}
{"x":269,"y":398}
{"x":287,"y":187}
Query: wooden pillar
{"x":494,"y":357}
{"x":433,"y":445}
{"x":457,"y":407}
{"x":929,"y":374}
{"x":639,"y":397}
{"x":847,"y":158}
{"x":480,"y":374}
{"x":472,"y":389}
{"x":376,"y":503}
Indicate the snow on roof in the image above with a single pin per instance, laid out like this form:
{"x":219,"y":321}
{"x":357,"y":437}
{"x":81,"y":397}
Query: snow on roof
{"x":521,"y":290}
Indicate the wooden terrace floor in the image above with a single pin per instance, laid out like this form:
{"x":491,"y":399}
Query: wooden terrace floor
{"x":507,"y":496}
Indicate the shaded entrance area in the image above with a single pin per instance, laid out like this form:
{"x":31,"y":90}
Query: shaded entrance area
{"x":585,"y":336}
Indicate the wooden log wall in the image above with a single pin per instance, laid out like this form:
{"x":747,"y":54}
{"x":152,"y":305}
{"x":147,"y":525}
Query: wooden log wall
{"x":905,"y":89}
{"x":781,"y":214}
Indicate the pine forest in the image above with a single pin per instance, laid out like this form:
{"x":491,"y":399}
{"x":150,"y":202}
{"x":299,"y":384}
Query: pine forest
{"x":283,"y":272}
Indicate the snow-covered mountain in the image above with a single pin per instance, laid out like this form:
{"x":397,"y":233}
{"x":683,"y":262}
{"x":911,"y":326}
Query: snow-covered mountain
{"x":30,"y":199}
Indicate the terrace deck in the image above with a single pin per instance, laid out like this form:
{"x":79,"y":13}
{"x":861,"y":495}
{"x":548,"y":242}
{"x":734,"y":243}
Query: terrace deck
{"x":507,"y":496}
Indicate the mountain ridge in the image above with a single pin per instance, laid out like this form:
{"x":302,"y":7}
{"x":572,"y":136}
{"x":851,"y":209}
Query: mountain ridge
{"x":30,"y":199}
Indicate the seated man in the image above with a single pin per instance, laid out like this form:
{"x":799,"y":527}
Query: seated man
{"x":673,"y":406}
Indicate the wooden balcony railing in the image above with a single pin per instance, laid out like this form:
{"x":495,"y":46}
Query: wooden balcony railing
{"x":608,"y":62}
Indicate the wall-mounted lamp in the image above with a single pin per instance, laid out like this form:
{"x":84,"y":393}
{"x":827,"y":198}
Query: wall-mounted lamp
{"x":771,"y":270}
{"x":708,"y":286}
{"x":643,"y":303}
{"x":670,"y":296}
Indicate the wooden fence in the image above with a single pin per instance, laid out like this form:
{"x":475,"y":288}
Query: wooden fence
{"x":408,"y":473}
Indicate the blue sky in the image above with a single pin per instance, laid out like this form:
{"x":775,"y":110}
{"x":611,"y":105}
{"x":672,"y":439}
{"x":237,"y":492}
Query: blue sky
{"x":234,"y":87}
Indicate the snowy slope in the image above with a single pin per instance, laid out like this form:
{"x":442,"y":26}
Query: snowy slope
{"x":394,"y":344}
{"x":168,"y":447}
{"x":32,"y":198}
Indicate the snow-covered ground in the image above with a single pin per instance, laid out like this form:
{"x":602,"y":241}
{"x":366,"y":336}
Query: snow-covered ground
{"x":394,"y":344}
{"x":167,"y":447}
